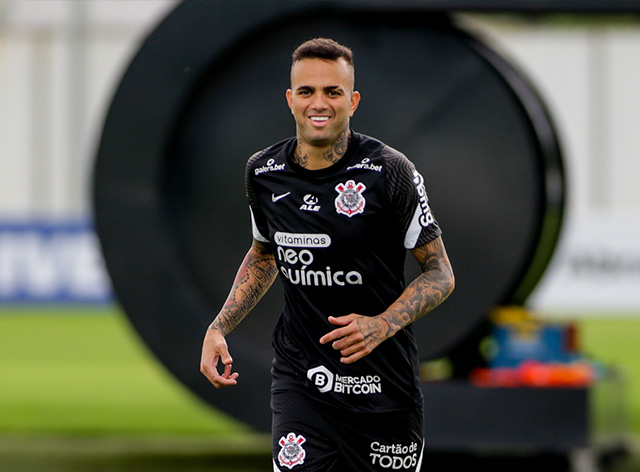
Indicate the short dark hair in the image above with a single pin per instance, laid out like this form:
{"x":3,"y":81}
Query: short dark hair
{"x":323,"y":48}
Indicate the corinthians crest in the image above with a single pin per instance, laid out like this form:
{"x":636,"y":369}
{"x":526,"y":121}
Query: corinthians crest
{"x":292,"y":453}
{"x":350,"y":200}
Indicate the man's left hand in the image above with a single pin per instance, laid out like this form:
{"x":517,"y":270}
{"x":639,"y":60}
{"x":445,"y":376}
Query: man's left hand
{"x":356,"y":336}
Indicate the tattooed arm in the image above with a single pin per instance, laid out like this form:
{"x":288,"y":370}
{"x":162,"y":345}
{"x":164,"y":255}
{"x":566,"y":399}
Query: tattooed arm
{"x":358,"y":335}
{"x":255,"y":275}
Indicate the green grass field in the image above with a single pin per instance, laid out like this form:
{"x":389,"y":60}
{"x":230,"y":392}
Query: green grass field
{"x":88,"y":372}
{"x":79,"y":392}
{"x":81,"y":379}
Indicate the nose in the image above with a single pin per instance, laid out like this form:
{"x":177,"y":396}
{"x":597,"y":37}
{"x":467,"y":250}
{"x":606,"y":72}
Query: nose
{"x":319,"y":102}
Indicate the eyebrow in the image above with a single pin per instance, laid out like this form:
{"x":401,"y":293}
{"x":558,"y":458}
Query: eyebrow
{"x":326,"y":89}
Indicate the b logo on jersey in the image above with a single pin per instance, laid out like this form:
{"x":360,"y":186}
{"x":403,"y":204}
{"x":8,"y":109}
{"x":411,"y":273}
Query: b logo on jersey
{"x":350,"y":200}
{"x":321,"y":377}
{"x":292,"y":453}
{"x":327,"y":381}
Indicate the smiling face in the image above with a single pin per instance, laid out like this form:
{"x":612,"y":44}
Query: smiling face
{"x":322,"y":100}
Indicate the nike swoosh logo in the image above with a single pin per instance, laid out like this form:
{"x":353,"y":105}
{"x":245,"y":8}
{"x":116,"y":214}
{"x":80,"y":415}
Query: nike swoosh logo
{"x":279,"y":197}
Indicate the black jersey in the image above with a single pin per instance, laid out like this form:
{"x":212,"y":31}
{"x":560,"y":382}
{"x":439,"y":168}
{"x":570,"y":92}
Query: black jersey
{"x":340,"y":236}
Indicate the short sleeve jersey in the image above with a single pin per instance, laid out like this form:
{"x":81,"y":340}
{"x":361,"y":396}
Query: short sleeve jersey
{"x":340,"y":237}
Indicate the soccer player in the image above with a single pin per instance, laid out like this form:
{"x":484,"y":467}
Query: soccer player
{"x":334,"y":213}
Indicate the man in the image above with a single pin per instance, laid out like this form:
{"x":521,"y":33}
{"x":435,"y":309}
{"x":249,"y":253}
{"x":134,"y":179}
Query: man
{"x":334,"y":212}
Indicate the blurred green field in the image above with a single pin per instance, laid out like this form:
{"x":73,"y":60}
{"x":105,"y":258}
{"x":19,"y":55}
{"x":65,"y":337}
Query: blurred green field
{"x":79,"y":392}
{"x":84,"y":373}
{"x":616,"y":342}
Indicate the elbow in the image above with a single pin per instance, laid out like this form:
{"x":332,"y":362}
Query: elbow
{"x":450,"y":280}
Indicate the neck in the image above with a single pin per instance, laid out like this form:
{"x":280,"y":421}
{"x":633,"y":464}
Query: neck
{"x":316,"y":157}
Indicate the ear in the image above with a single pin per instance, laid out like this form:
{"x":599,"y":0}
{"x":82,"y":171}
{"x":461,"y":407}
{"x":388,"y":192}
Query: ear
{"x":289,"y":96}
{"x":355,"y":100}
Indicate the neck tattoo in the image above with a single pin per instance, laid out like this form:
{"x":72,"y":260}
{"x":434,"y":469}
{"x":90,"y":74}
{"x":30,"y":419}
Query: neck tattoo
{"x":299,"y":157}
{"x":332,"y":154}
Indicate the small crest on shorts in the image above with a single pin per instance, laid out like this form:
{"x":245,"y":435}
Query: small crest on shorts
{"x":292,"y":452}
{"x":350,"y":200}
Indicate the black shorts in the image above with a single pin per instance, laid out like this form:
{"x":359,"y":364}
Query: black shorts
{"x":311,"y":436}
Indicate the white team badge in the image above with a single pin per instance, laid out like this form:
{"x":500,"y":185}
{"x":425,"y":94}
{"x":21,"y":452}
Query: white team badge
{"x":350,"y":200}
{"x":292,"y":453}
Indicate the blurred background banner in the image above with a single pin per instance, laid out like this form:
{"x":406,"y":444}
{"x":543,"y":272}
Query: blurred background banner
{"x":51,"y":262}
{"x":596,"y":268}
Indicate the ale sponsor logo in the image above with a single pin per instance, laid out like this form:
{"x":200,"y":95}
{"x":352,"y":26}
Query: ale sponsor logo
{"x":310,"y":203}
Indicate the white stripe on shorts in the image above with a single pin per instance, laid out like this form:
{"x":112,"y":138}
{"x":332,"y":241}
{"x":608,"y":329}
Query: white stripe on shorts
{"x":419,"y":465}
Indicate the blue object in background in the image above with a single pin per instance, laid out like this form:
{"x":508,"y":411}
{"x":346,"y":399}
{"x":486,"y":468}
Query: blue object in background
{"x":55,"y":262}
{"x":519,"y":337}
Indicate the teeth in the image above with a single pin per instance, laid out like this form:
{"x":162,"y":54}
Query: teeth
{"x":319,"y":118}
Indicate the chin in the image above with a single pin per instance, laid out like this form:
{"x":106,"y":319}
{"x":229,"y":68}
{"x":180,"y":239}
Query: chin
{"x":319,"y":141}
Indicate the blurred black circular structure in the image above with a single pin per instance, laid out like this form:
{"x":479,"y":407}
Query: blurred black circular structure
{"x":206,"y":90}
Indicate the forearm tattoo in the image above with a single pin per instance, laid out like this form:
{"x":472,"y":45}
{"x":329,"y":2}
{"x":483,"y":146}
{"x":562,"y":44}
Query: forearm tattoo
{"x":255,"y":275}
{"x":425,"y":293}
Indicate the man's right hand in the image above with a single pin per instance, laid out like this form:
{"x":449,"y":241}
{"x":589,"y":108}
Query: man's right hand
{"x":214,"y":349}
